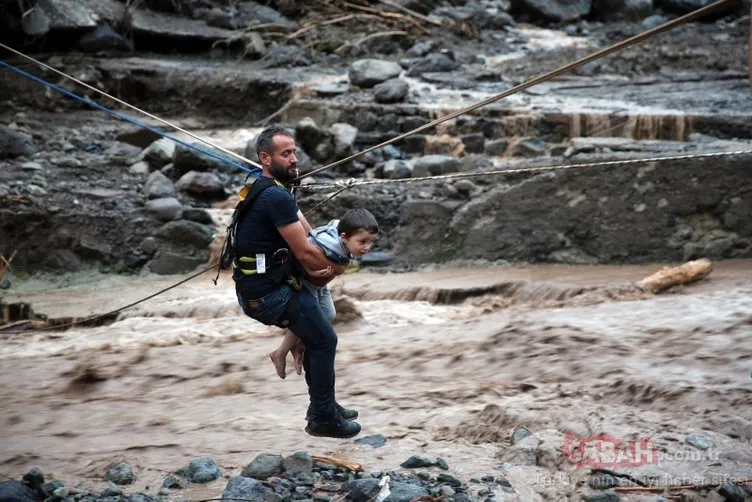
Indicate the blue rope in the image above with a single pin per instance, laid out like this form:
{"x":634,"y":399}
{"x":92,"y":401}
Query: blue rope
{"x":129,"y":119}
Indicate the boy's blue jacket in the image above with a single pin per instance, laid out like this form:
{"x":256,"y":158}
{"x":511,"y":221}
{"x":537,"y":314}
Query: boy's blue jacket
{"x":327,"y":239}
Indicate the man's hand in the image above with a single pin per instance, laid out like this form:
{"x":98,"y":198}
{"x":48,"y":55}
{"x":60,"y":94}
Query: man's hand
{"x":325,"y":272}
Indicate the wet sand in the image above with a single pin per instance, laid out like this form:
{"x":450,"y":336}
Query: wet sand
{"x":186,"y":375}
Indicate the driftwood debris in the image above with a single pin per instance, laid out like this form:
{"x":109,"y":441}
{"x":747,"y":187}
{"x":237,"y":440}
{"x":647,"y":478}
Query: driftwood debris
{"x":669,"y":277}
{"x":342,"y":464}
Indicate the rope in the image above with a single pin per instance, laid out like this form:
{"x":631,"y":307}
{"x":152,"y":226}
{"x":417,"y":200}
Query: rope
{"x":352,"y":182}
{"x":132,"y":107}
{"x":537,"y":80}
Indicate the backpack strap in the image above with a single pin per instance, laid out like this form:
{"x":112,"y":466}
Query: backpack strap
{"x":248,"y":195}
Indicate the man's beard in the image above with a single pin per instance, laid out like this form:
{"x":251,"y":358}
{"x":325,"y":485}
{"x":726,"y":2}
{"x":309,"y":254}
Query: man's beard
{"x":282,"y":174}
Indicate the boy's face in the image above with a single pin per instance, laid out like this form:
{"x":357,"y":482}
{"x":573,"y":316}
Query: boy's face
{"x":359,"y":242}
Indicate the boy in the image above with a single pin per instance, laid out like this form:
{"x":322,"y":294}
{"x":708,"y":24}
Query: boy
{"x":340,"y":241}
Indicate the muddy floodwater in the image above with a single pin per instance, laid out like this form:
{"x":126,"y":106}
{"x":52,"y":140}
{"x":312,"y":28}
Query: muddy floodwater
{"x":436,"y":365}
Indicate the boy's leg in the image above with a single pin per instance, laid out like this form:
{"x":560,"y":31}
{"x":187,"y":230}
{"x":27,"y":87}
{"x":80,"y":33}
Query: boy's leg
{"x":279,"y":356}
{"x":326,"y":303}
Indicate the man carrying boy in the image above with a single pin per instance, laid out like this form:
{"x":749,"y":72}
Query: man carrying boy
{"x":270,"y":244}
{"x":341,"y":241}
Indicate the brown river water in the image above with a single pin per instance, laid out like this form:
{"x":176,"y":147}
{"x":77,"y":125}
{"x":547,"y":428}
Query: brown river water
{"x":443,"y":362}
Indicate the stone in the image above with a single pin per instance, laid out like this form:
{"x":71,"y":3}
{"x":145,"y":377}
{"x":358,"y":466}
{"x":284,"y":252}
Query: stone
{"x":141,"y":167}
{"x":248,"y":489}
{"x":199,"y":158}
{"x":49,"y":488}
{"x":530,"y":147}
{"x":442,"y":464}
{"x":169,"y":263}
{"x":264,"y":466}
{"x":417,"y":461}
{"x":396,"y":169}
{"x":198,"y":215}
{"x":519,"y":434}
{"x":497,"y":148}
{"x":188,"y":232}
{"x":392,"y":91}
{"x":34,"y":478}
{"x":299,"y":462}
{"x":158,"y":186}
{"x":433,"y":63}
{"x":16,"y":491}
{"x":120,"y":474}
{"x":165,"y":209}
{"x":35,"y":22}
{"x":698,"y":441}
{"x":551,"y":10}
{"x":406,"y":492}
{"x":367,"y":73}
{"x":202,"y":470}
{"x":448,"y":479}
{"x":376,"y":441}
{"x":617,"y":10}
{"x":15,"y":144}
{"x":653,"y":21}
{"x":307,"y":134}
{"x":731,"y":492}
{"x":474,"y":143}
{"x":434,"y":165}
{"x":149,"y":245}
{"x":603,"y":497}
{"x":159,"y":153}
{"x":363,"y":490}
{"x":104,"y":38}
{"x":343,"y":138}
{"x":201,"y":184}
{"x":173,"y":482}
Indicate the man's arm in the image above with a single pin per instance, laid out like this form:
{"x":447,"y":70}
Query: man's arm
{"x":306,"y":226}
{"x":309,"y":255}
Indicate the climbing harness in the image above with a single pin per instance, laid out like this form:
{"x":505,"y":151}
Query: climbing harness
{"x":342,"y":186}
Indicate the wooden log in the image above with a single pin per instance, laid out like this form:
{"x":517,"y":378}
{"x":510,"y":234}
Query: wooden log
{"x":343,"y":464}
{"x":669,"y":277}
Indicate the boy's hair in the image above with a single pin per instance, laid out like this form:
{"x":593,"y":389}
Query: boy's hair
{"x":265,"y":139}
{"x":357,"y":219}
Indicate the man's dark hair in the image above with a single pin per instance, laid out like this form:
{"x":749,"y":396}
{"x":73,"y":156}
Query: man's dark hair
{"x":357,"y":219}
{"x":265,"y":140}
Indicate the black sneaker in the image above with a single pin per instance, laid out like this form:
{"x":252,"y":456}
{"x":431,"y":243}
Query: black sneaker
{"x":344,"y":412}
{"x":348,"y":414}
{"x":338,"y":427}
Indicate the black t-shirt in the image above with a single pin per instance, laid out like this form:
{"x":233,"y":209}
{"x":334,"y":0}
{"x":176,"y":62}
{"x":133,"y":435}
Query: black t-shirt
{"x":257,"y":233}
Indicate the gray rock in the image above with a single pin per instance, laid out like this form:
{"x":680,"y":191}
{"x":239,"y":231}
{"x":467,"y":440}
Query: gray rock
{"x":363,"y":490}
{"x":112,"y":490}
{"x":299,"y":462}
{"x":189,"y":159}
{"x":616,"y":10}
{"x":141,"y":167}
{"x":653,"y":21}
{"x":34,"y":478}
{"x":603,"y":497}
{"x":551,"y":10}
{"x":188,"y":232}
{"x":392,"y":91}
{"x":169,"y":263}
{"x":203,"y":470}
{"x":698,"y":441}
{"x":104,"y":38}
{"x":433,"y":63}
{"x":35,"y":22}
{"x":731,"y":492}
{"x":264,"y":466}
{"x":396,"y":169}
{"x":370,"y":72}
{"x":520,"y":433}
{"x":376,"y":440}
{"x":159,"y":153}
{"x":149,"y":245}
{"x":465,"y":187}
{"x":530,"y":147}
{"x":497,"y":148}
{"x":343,"y":138}
{"x":16,"y":491}
{"x":406,"y":492}
{"x":201,"y":184}
{"x":417,"y":461}
{"x":198,"y":215}
{"x":14,"y":143}
{"x":475,"y":162}
{"x":433,"y":165}
{"x":120,"y":474}
{"x":165,"y":209}
{"x":442,"y":464}
{"x":474,"y":143}
{"x":49,"y":488}
{"x":32,"y":166}
{"x":248,"y":489}
{"x":173,"y":482}
{"x":307,"y":134}
{"x":158,"y":186}
{"x":448,"y":479}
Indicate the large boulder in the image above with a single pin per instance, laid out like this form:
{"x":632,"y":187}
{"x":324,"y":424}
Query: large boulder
{"x":615,"y":10}
{"x":14,"y":143}
{"x":370,"y":72}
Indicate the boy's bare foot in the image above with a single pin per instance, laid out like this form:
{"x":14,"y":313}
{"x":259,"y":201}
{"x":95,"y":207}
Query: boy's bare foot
{"x":280,"y":364}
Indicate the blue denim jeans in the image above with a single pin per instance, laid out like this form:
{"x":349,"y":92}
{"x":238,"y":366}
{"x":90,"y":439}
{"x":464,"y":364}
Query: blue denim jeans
{"x":317,"y":334}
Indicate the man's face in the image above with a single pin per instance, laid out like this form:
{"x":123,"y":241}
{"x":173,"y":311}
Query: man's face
{"x":282,"y":163}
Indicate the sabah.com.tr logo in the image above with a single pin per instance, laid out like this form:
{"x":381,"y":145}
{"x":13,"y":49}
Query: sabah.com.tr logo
{"x":605,"y":451}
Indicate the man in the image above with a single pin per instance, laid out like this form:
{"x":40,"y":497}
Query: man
{"x":273,"y":237}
